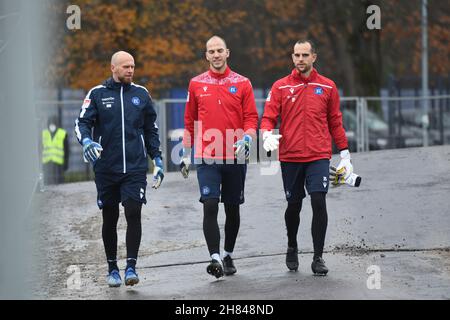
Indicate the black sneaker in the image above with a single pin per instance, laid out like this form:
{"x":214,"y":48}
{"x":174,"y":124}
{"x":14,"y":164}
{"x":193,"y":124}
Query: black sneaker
{"x":215,"y":268}
{"x":228,"y":266}
{"x":318,"y":266}
{"x":292,"y":258}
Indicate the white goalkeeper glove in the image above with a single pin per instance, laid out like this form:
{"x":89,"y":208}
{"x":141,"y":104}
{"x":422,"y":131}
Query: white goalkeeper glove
{"x":337,"y":178}
{"x":345,"y":167}
{"x":271,"y":142}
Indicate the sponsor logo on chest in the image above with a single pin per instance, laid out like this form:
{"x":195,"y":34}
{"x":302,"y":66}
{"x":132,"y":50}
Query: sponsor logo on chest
{"x":205,"y":89}
{"x":292,"y":96}
{"x":108,"y":102}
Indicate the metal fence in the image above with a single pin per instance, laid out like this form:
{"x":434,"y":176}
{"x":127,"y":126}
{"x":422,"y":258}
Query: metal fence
{"x":405,"y":123}
{"x":371,"y":123}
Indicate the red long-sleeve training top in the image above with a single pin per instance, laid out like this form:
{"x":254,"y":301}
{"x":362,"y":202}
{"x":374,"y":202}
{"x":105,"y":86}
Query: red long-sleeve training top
{"x":310,"y":116}
{"x":220,"y":109}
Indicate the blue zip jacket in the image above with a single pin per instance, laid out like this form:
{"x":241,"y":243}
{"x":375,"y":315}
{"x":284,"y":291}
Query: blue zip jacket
{"x":122,"y":119}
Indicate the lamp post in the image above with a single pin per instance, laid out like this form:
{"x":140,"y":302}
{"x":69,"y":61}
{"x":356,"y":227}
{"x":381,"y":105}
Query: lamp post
{"x":425,"y":120}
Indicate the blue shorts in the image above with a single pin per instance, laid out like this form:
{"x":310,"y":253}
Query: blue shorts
{"x":113,"y":188}
{"x":296,"y":175}
{"x":222,"y":181}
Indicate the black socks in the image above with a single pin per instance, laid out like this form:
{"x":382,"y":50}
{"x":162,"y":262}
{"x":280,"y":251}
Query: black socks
{"x":319,"y":221}
{"x":292,"y":220}
{"x":133,"y":235}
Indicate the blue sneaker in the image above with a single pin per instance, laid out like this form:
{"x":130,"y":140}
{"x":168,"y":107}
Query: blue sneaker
{"x":131,"y":277}
{"x":114,"y":279}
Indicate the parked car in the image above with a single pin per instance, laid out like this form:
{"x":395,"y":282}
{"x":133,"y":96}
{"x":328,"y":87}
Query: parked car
{"x":378,"y":131}
{"x":440,"y":135}
{"x":438,"y":132}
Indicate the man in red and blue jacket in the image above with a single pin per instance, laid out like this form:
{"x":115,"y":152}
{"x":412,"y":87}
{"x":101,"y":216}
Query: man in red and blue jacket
{"x":308,"y":104}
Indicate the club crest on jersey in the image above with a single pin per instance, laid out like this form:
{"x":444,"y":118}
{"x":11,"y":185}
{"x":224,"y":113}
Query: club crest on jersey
{"x":318,"y":90}
{"x":135,"y":101}
{"x":205,"y":88}
{"x":233,"y":89}
{"x":291,"y":90}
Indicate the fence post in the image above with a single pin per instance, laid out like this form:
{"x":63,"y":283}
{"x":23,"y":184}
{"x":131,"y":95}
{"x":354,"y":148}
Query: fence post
{"x":163,"y":130}
{"x":358,"y":125}
{"x":360,"y":131}
{"x":365,"y":125}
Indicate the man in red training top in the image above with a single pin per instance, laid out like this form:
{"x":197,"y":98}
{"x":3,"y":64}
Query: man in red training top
{"x":221,"y":111}
{"x":308,"y":104}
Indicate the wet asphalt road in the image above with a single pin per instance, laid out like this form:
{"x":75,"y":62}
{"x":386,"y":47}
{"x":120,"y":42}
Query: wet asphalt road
{"x":397,"y":222}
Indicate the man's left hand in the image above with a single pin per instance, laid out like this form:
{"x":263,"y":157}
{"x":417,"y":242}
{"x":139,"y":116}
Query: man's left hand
{"x":336,"y":177}
{"x":243,"y":148}
{"x":345,"y":167}
{"x":158,"y":172}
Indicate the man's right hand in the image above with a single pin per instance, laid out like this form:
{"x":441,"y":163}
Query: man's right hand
{"x":91,"y":150}
{"x":185,"y":162}
{"x":271,"y":141}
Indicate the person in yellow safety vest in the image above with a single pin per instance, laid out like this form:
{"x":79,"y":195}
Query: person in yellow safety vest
{"x":55,"y":152}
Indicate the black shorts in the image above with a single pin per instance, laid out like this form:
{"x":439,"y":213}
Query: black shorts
{"x":222,"y":181}
{"x":113,"y":188}
{"x":296,"y":175}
